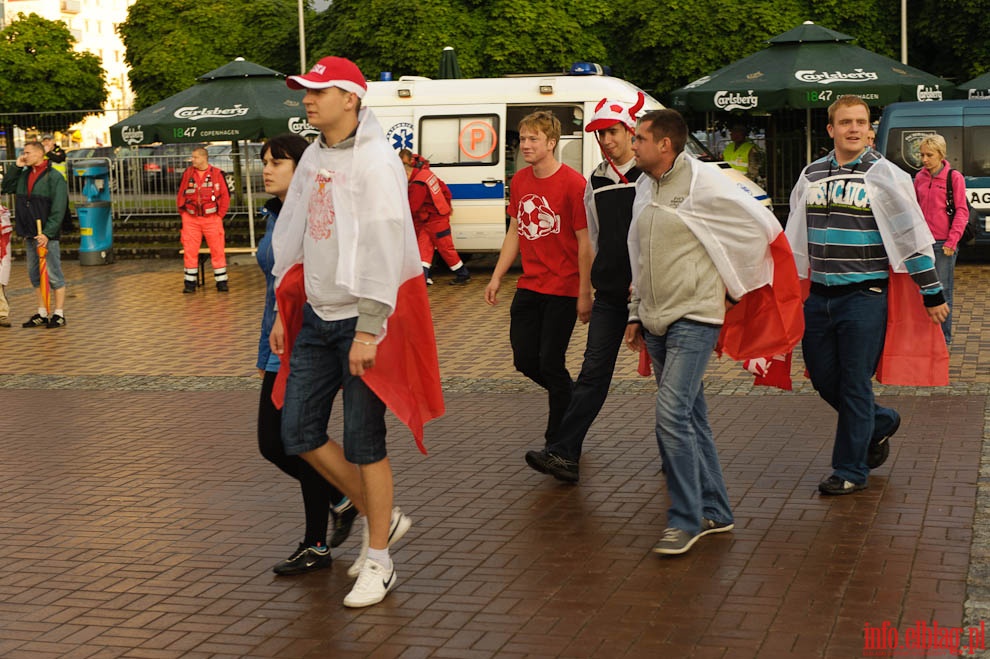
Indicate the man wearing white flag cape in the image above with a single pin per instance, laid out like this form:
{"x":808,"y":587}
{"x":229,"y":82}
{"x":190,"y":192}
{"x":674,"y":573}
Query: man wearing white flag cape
{"x":346,"y":221}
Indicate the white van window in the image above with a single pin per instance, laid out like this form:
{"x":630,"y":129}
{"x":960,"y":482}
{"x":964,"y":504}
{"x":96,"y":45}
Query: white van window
{"x":977,"y":151}
{"x":462,"y":140}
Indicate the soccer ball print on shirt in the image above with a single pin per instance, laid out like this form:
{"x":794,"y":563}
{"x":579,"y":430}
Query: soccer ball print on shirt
{"x":536,"y":218}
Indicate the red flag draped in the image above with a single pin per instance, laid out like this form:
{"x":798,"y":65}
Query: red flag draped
{"x":914,"y":350}
{"x":406,"y":375}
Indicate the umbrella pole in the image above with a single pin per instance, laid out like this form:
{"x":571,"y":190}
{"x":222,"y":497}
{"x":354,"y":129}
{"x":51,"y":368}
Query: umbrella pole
{"x":250,"y":197}
{"x":807,"y":135}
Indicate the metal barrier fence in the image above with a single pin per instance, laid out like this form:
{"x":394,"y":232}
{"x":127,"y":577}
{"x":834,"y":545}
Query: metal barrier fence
{"x":145,"y":184}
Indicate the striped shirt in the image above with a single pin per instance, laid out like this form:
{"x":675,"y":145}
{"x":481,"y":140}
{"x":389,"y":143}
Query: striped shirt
{"x":844,"y":243}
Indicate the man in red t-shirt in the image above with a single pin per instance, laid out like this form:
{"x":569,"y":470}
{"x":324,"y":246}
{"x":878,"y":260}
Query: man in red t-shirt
{"x":548,"y":228}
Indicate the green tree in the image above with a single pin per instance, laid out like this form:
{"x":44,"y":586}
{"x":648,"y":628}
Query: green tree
{"x":948,"y":37}
{"x":169,"y":43}
{"x":402,"y":37}
{"x":491,"y":38}
{"x":44,"y":74}
{"x":663,"y":46}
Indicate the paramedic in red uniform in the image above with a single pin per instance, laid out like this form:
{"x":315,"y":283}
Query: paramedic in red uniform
{"x":203,"y":200}
{"x":429,"y":201}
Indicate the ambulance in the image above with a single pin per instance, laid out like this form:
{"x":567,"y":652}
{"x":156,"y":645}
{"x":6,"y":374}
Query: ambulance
{"x":467,"y":129}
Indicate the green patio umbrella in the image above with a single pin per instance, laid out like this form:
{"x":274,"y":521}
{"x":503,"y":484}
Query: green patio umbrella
{"x":978,"y":87}
{"x":806,"y":68}
{"x":239,"y":101}
{"x":449,"y":68}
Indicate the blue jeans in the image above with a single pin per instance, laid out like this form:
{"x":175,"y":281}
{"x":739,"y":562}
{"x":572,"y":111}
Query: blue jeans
{"x":605,"y":332}
{"x":945,"y":267}
{"x":694,"y":475}
{"x":540,"y":327}
{"x":54,"y":264}
{"x":843,"y":339}
{"x":318,"y":368}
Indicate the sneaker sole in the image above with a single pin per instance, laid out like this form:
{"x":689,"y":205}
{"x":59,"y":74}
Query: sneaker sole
{"x":359,"y":604}
{"x":676,"y":552}
{"x":839,"y":493}
{"x":288,"y":572}
{"x":565,"y":476}
{"x":718,"y":529}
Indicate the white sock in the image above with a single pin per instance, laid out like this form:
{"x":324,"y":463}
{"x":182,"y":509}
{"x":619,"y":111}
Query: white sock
{"x":43,"y":312}
{"x":58,"y":312}
{"x":381,"y":557}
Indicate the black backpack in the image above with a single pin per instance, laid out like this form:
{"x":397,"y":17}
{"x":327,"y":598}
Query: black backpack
{"x":975,"y":217}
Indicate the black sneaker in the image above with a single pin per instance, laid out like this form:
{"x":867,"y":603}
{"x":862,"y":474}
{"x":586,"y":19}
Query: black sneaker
{"x":560,"y":468}
{"x":189,"y":287}
{"x":879,"y":449}
{"x":834,"y":485}
{"x":56,"y":321}
{"x":222,"y":287}
{"x":4,"y":322}
{"x":462,"y":276}
{"x":37,"y":320}
{"x":304,"y":559}
{"x":342,"y":523}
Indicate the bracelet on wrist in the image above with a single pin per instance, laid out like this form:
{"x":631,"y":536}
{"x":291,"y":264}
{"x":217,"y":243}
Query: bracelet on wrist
{"x":367,"y":343}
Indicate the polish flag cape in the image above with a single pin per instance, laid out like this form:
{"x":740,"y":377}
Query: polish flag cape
{"x":752,"y":256}
{"x":914,"y":351}
{"x":378,"y":260}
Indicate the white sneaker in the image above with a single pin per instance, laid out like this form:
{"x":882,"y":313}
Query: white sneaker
{"x":372,"y":585}
{"x":396,"y":529}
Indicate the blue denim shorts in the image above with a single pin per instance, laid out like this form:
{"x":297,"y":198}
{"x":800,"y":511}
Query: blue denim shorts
{"x":55,"y":278}
{"x":318,"y":368}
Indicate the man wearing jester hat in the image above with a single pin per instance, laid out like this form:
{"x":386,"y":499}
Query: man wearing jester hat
{"x":608,"y":201}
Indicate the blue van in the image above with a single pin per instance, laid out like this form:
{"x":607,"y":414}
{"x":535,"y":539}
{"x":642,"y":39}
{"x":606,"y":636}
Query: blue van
{"x":965,"y":125}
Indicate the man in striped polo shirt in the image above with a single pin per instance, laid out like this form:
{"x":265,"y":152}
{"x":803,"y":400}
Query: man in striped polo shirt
{"x":854,"y":217}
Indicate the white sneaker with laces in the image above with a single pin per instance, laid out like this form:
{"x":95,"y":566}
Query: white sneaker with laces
{"x":372,"y":585}
{"x":397,"y":528}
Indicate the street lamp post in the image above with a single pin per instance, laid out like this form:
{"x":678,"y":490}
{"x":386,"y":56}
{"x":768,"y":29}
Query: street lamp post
{"x":302,"y":39}
{"x":903,"y":31}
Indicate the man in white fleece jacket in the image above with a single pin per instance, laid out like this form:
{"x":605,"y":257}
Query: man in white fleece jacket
{"x":697,"y":245}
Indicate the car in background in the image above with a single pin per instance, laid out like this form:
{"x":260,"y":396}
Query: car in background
{"x":162,"y":166}
{"x":221,"y":156}
{"x":122,"y":160}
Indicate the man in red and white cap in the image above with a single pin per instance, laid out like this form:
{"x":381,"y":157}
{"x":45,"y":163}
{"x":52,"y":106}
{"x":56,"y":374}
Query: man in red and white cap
{"x":608,"y":201}
{"x":346,"y":220}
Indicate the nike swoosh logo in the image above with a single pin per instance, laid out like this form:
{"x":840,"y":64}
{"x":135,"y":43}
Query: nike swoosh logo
{"x":388,"y":583}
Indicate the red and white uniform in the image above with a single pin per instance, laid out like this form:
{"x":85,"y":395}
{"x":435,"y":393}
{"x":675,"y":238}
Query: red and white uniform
{"x":549,"y":212}
{"x":203,"y":200}
{"x":429,"y":201}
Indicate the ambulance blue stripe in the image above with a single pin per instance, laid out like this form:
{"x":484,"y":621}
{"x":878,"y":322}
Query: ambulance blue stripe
{"x":477,"y":190}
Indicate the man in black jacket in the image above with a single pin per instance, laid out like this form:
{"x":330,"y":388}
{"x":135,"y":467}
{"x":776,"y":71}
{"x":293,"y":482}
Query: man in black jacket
{"x":40,"y":194}
{"x":608,"y":201}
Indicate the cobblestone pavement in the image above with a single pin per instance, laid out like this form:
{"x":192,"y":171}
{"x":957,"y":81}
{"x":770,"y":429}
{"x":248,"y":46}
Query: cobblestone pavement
{"x":138,"y":520}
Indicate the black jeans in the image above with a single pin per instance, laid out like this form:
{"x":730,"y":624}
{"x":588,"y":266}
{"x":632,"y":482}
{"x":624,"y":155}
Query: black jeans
{"x":605,"y":333}
{"x":539,"y":330}
{"x":317,"y":493}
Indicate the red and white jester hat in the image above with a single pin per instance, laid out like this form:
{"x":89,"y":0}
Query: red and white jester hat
{"x":609,"y":112}
{"x":331,"y":72}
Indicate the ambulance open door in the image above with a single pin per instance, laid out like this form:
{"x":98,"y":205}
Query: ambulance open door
{"x":466,"y":148}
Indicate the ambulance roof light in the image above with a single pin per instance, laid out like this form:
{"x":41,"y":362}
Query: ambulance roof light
{"x":589,"y":69}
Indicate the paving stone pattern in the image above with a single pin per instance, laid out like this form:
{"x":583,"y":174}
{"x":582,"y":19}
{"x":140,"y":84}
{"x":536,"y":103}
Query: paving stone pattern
{"x":137,"y":518}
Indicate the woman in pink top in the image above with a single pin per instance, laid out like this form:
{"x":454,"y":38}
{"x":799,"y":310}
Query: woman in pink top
{"x":930,"y":186}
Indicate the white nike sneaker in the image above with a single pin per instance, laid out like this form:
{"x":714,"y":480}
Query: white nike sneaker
{"x":372,"y":585}
{"x":396,"y":529}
